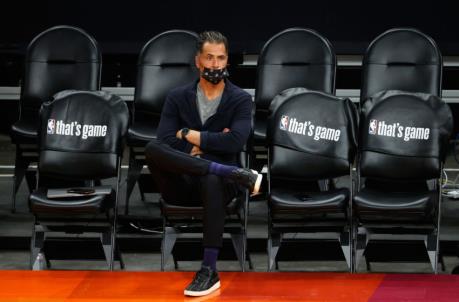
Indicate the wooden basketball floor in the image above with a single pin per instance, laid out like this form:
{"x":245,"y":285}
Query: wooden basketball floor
{"x":251,"y":286}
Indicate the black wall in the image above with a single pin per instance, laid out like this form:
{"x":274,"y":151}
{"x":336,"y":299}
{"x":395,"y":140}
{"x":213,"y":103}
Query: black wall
{"x":124,"y":26}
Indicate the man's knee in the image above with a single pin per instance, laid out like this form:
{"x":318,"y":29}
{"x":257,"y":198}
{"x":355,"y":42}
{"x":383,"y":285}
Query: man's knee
{"x":152,"y":149}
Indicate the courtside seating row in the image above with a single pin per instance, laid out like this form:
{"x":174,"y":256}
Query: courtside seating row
{"x":400,"y":95}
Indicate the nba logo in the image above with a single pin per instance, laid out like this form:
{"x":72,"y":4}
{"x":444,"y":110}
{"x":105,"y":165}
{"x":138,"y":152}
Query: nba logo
{"x":51,"y":126}
{"x":284,"y":123}
{"x":373,"y":126}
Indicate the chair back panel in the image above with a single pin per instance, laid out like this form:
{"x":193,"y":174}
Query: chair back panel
{"x":402,"y":59}
{"x":166,"y":62}
{"x":60,"y":58}
{"x":295,"y":57}
{"x":404,"y":135}
{"x":81,"y":134}
{"x":311,"y":135}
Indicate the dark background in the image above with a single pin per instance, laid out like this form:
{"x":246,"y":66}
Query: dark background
{"x":124,"y":26}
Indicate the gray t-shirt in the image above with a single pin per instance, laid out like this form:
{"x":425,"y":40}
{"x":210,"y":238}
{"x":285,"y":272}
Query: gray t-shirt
{"x":206,"y":107}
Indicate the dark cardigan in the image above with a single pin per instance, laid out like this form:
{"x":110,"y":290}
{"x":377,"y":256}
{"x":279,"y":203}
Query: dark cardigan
{"x":234,"y":112}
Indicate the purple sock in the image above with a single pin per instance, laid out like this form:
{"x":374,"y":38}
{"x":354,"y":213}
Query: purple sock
{"x":210,"y":257}
{"x":221,"y":170}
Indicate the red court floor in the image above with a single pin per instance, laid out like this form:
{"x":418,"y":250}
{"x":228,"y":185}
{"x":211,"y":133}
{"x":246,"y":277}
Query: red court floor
{"x":251,"y":286}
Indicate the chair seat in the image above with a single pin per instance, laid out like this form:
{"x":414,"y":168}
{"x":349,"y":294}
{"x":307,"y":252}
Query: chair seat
{"x":41,"y":204}
{"x":375,"y":205}
{"x":172,"y":210}
{"x":285,"y":201}
{"x":140,"y":134}
{"x":24,"y":132}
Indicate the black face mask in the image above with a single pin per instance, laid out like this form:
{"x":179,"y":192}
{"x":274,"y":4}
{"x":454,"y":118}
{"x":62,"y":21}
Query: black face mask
{"x":214,"y":75}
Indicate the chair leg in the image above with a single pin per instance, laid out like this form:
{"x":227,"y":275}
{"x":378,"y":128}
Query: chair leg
{"x":31,"y":179}
{"x":360,"y":245}
{"x":274,"y":242}
{"x":37,"y":257}
{"x":134,"y":170}
{"x":141,"y":190}
{"x":175,"y":262}
{"x":249,"y":260}
{"x":20,"y":168}
{"x":368,"y":264}
{"x":432,"y":250}
{"x":239,"y":248}
{"x":345,"y":242}
{"x":120,"y":256}
{"x":108,"y":242}
{"x":167,"y":244}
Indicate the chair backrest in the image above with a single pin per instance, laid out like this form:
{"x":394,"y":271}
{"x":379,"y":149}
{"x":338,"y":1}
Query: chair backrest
{"x":60,"y":58}
{"x":402,"y":59}
{"x":295,"y":57}
{"x":403,"y":136}
{"x":166,"y":62}
{"x":81,"y":135}
{"x":311,"y":136}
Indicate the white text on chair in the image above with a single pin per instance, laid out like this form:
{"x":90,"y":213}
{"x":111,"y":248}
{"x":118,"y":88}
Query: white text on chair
{"x":309,"y":129}
{"x":76,"y":129}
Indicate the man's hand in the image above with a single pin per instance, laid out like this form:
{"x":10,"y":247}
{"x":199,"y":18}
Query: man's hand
{"x":194,"y":137}
{"x":196,"y":151}
{"x":179,"y":134}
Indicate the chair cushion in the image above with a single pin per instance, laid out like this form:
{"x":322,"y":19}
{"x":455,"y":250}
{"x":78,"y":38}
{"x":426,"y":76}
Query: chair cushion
{"x":288,"y":201}
{"x":376,"y":205}
{"x":40,"y":204}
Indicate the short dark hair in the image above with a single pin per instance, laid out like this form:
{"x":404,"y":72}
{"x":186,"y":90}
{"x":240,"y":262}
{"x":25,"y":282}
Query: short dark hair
{"x":211,"y":37}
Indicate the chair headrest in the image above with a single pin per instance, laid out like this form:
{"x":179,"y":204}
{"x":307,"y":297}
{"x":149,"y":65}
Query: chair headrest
{"x":403,"y":46}
{"x":404,"y":59}
{"x":309,"y":48}
{"x":170,"y":48}
{"x":63,"y":45}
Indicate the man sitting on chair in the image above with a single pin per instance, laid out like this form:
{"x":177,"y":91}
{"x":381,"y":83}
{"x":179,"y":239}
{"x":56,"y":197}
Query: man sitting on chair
{"x":203,"y":127}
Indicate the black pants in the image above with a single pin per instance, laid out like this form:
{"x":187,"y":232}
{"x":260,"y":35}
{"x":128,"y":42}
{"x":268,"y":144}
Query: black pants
{"x":183,"y":180}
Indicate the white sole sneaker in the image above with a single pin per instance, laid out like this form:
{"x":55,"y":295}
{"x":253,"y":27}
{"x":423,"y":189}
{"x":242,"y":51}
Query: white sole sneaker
{"x":202,"y":293}
{"x":256,"y":187}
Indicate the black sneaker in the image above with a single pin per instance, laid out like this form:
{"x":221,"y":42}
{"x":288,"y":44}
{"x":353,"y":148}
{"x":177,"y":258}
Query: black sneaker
{"x":250,"y":179}
{"x":205,"y":281}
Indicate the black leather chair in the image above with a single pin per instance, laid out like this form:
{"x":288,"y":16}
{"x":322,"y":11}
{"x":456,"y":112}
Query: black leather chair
{"x":185,"y":219}
{"x":62,"y":57}
{"x":404,"y":137}
{"x":166,"y":61}
{"x":406,"y":60}
{"x":311,"y":138}
{"x":81,"y":136}
{"x":295,"y":57}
